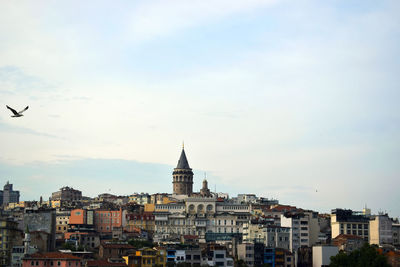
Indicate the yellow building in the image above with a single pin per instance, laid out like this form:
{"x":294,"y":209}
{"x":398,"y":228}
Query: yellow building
{"x":149,"y":207}
{"x":143,"y":221}
{"x":14,"y":205}
{"x":147,"y":257}
{"x":9,"y":237}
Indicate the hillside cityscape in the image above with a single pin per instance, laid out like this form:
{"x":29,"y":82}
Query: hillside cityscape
{"x":185,"y":228}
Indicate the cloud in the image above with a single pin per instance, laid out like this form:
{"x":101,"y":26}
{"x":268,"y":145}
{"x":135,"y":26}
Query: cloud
{"x":156,"y":19}
{"x":91,"y":176}
{"x":13,"y":79}
{"x":9,"y":128}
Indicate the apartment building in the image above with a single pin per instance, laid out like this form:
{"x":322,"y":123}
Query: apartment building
{"x":140,"y":221}
{"x":299,"y":229}
{"x":106,"y":220}
{"x":396,"y":234}
{"x":10,"y":236}
{"x":8,"y":195}
{"x":62,"y":221}
{"x":349,"y":222}
{"x":380,"y":228}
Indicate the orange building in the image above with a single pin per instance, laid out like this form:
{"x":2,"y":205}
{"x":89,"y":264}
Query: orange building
{"x":106,"y":220}
{"x":78,"y":216}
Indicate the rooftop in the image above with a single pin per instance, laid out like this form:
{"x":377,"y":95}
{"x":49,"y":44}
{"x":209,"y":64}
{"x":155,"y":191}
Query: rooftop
{"x":52,"y":255}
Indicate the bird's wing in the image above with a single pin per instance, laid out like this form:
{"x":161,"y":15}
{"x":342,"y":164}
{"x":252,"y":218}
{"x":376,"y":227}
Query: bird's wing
{"x":24,"y":109}
{"x":13,"y":110}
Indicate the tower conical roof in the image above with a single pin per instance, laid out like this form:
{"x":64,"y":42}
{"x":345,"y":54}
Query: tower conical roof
{"x":183,"y":162}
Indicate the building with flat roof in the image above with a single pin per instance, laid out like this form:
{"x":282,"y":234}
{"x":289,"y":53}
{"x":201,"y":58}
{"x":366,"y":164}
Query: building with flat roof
{"x":67,"y":194}
{"x":380,"y":228}
{"x":349,"y":222}
{"x":8,"y":195}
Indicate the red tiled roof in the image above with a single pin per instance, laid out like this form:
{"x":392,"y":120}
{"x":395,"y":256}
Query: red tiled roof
{"x":345,"y":236}
{"x":53,"y":255}
{"x":393,"y":254}
{"x":104,"y":263}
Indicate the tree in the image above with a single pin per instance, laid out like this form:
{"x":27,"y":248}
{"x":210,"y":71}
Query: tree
{"x":137,"y":243}
{"x":367,"y":255}
{"x":241,"y":263}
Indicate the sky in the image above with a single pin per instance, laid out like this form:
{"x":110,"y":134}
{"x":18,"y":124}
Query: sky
{"x":292,"y":100}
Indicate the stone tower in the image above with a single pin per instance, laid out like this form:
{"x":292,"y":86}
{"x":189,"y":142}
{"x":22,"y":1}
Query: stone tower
{"x":182,"y":176}
{"x":204,"y":191}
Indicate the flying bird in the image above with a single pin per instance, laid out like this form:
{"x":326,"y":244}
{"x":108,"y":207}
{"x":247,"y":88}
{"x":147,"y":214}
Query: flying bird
{"x":17,"y":114}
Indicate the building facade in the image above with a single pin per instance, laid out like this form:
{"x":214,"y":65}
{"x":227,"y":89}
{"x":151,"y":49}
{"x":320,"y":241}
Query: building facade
{"x":51,"y":259}
{"x":8,"y":195}
{"x":10,"y":236}
{"x":62,"y":220}
{"x":106,"y":220}
{"x":204,"y":217}
{"x":67,"y":194}
{"x":42,"y":226}
{"x":350,"y":223}
{"x":380,"y":227}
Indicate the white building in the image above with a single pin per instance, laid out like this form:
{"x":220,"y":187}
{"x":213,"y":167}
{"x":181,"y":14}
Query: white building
{"x":199,"y":216}
{"x":380,"y":228}
{"x":270,"y":235}
{"x":299,"y":230}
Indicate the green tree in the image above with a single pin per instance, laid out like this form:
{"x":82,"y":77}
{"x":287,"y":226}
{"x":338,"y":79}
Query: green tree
{"x":241,"y":263}
{"x":366,"y":256}
{"x":137,"y":243}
